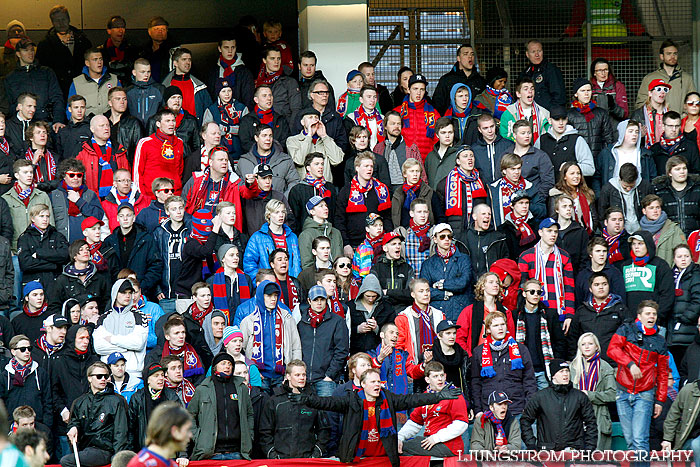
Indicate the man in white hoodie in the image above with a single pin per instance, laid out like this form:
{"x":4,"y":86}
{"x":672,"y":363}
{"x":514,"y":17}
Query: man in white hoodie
{"x":123,"y":329}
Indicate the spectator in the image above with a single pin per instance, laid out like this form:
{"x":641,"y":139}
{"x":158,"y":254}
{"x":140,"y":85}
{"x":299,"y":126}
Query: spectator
{"x":501,"y":364}
{"x":198,"y":161}
{"x":418,"y":340}
{"x":197,"y":255}
{"x":465,"y":72}
{"x":368,"y":312}
{"x":652,"y":111}
{"x":119,"y":53}
{"x":692,"y":115}
{"x":563,"y":143}
{"x":670,"y":72}
{"x":393,"y":272}
{"x":368,"y":252}
{"x":186,"y":124}
{"x":573,"y":184}
{"x":195,"y":97}
{"x":577,"y":429}
{"x":394,"y":363}
{"x":317,"y":225}
{"x":525,"y":108}
{"x":292,"y":293}
{"x":368,"y":115}
{"x":213,"y":327}
{"x":162,"y":153}
{"x":159,"y":47}
{"x":145,"y":95}
{"x":254,"y":208}
{"x":230,"y":286}
{"x":34,"y":446}
{"x":597,"y":250}
{"x":152,"y":311}
{"x":358,"y":136}
{"x":520,"y":225}
{"x":233,"y":345}
{"x":168,"y":433}
{"x":550,"y":84}
{"x":320,"y":250}
{"x":227,"y":112}
{"x":384,"y":98}
{"x":124,"y":190}
{"x":489,"y":147}
{"x":263,"y":114}
{"x":495,"y":97}
{"x":63,"y":48}
{"x":667,"y":234}
{"x":313,"y":138}
{"x":348,"y":286}
{"x":417,"y":247}
{"x":126,"y":130}
{"x":680,"y":194}
{"x":496,"y":428}
{"x":592,"y":123}
{"x":537,"y":166}
{"x":572,"y":236}
{"x":37,"y":151}
{"x":51,"y":341}
{"x":460,"y":111}
{"x":308,"y":73}
{"x":99,"y":156}
{"x":6,"y":160}
{"x":230,"y":66}
{"x":674,"y":143}
{"x":642,"y":389}
{"x":284,"y":88}
{"x":683,"y":318}
{"x":418,"y":115}
{"x":80,"y":279}
{"x":170,"y":238}
{"x":34,"y":306}
{"x":97,"y":442}
{"x":41,"y":249}
{"x":608,"y":92}
{"x":453,"y":358}
{"x":484,"y":244}
{"x":16,"y":128}
{"x":93,"y":83}
{"x":394,"y":148}
{"x":124,"y":384}
{"x":349,"y":101}
{"x":154,"y":214}
{"x":401,"y":90}
{"x":627,"y":148}
{"x":442,"y":159}
{"x":414,"y":186}
{"x":622,"y":196}
{"x":502,"y":191}
{"x":319,"y":94}
{"x":595,"y":378}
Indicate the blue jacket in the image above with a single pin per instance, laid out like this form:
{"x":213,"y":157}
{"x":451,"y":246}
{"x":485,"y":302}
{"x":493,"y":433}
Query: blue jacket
{"x":261,"y":245}
{"x":151,"y":216}
{"x":144,"y":259}
{"x":247,"y":307}
{"x":459,"y":279}
{"x":164,"y":236}
{"x":153,"y":311}
{"x":144,"y":99}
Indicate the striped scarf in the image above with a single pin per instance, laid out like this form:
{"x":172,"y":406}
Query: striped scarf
{"x":21,"y":371}
{"x":185,"y":389}
{"x":534,"y":120}
{"x":598,"y":307}
{"x":582,"y":212}
{"x":558,"y":277}
{"x":348,"y":102}
{"x":653,"y":122}
{"x":191,"y":363}
{"x":258,"y":355}
{"x":265,"y":116}
{"x":267,"y":78}
{"x":421,"y":232}
{"x":48,"y":349}
{"x":588,"y":381}
{"x":584,"y":109}
{"x":220,"y":291}
{"x":516,"y":361}
{"x":362,"y":118}
{"x":393,"y":371}
{"x":411,"y":192}
{"x":545,"y":340}
{"x":356,"y":200}
{"x":670,"y":145}
{"x":453,"y":191}
{"x":319,"y":185}
{"x":4,"y":146}
{"x":25,"y":194}
{"x":526,"y":233}
{"x":106,"y":178}
{"x":507,"y":189}
{"x":50,"y":166}
{"x":430,"y":116}
{"x":503,"y":99}
{"x":386,"y":425}
{"x":426,"y":331}
{"x":96,"y":256}
{"x":498,"y":423}
{"x":614,"y":254}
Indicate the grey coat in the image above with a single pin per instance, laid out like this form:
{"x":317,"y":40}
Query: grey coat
{"x":284,"y":173}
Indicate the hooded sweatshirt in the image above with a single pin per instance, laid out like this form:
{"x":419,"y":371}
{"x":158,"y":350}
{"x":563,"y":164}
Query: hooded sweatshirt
{"x":609,"y":160}
{"x":128,"y":329}
{"x":382,"y":312}
{"x":630,"y":200}
{"x":460,"y":120}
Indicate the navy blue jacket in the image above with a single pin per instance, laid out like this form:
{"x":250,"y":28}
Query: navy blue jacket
{"x":459,"y":280}
{"x":144,"y":259}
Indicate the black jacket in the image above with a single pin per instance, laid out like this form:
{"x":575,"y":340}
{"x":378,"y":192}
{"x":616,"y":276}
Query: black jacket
{"x":101,"y":420}
{"x":30,"y":326}
{"x":574,"y":240}
{"x":42,"y":82}
{"x":687,"y":148}
{"x":70,"y":139}
{"x":291,"y":430}
{"x":394,"y":277}
{"x":195,"y":337}
{"x":485,"y":248}
{"x":68,"y":285}
{"x":603,"y":325}
{"x":560,"y":150}
{"x":383,"y":313}
{"x":515,"y":249}
{"x":243,"y":84}
{"x":51,"y":250}
{"x":36,"y":392}
{"x":52,"y":53}
{"x":144,"y":259}
{"x":305,"y":86}
{"x":610,"y":196}
{"x":324,"y":348}
{"x":381,"y":170}
{"x":140,"y":409}
{"x":351,"y":406}
{"x":565,"y":419}
{"x":246,"y":130}
{"x":487,"y":157}
{"x":299,"y":195}
{"x":7,"y":229}
{"x":682,"y":207}
{"x":457,"y":368}
{"x":441,"y":96}
{"x":14,"y":133}
{"x":598,"y":132}
{"x":335,"y":125}
{"x":615,"y":280}
{"x":689,"y":368}
{"x":127,"y":132}
{"x":258,"y":399}
{"x":352,"y":224}
{"x":549,"y":83}
{"x":533,"y":341}
{"x":188,"y":132}
{"x":683,"y":321}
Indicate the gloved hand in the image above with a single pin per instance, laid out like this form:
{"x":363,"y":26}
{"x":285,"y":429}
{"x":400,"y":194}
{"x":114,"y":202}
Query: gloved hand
{"x":450,"y":392}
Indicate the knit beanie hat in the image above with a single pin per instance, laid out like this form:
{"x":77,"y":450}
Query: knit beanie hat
{"x":578,"y":84}
{"x":171,"y":91}
{"x":220,"y":357}
{"x":222,"y":83}
{"x":230,"y":333}
{"x":201,"y":222}
{"x":556,"y":365}
{"x":31,"y":287}
{"x":495,"y":74}
{"x":223,"y":249}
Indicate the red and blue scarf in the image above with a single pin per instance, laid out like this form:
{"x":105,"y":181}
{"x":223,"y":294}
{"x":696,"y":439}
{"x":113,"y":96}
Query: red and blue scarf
{"x":362,"y":118}
{"x":411,"y":192}
{"x":220,"y":291}
{"x":258,"y":355}
{"x":454,"y":203}
{"x":25,"y":194}
{"x":426,"y":331}
{"x":48,"y":349}
{"x":516,"y":361}
{"x":21,"y":371}
{"x":614,"y":254}
{"x":589,"y":379}
{"x":228,"y":68}
{"x":356,"y":201}
{"x":386,"y":425}
{"x":319,"y":185}
{"x":265,"y":116}
{"x":497,"y":423}
{"x":191,"y":363}
{"x":267,"y":78}
{"x":344,"y":103}
{"x":503,"y":99}
{"x":393,"y":370}
{"x":106,"y":178}
{"x":50,"y":166}
{"x":584,"y":109}
{"x":429,"y":114}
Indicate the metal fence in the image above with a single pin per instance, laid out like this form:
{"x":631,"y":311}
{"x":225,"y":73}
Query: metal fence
{"x":425,"y":35}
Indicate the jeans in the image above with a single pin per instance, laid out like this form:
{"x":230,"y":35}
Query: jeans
{"x":18,"y":280}
{"x":412,"y":447}
{"x":635,"y":417}
{"x":324,"y":388}
{"x":693,"y":444}
{"x":270,"y":382}
{"x":541,"y":378}
{"x":89,"y":457}
{"x":63,"y":447}
{"x":168,"y":305}
{"x":226,"y":456}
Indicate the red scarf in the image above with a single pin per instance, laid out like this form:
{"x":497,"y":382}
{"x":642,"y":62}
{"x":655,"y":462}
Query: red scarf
{"x":584,"y":109}
{"x":199,"y":315}
{"x":265,"y":116}
{"x":356,"y":201}
{"x":24,"y":195}
{"x":267,"y":78}
{"x":421,"y":232}
{"x":337,"y":307}
{"x":411,"y":192}
{"x":192,"y":364}
{"x":600,"y":307}
{"x":507,"y":190}
{"x":653,"y":121}
{"x":474,"y":188}
{"x":73,"y":209}
{"x":292,"y":293}
{"x":446,"y":256}
{"x":670,"y":145}
{"x":376,"y":244}
{"x":39,"y":312}
{"x":516,"y":362}
{"x":614,"y":254}
{"x":584,"y":216}
{"x":227,"y":65}
{"x":167,"y":149}
{"x":319,"y":185}
{"x":315,"y":319}
{"x":185,"y":389}
{"x":4,"y":146}
{"x":50,"y":166}
{"x":362,"y":118}
{"x":116,"y":53}
{"x":534,"y":120}
{"x":96,"y":256}
{"x":525,"y":232}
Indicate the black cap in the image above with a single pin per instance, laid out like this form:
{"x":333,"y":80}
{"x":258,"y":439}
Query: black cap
{"x":157,"y":21}
{"x":220,"y":357}
{"x":578,"y":84}
{"x":263,"y":170}
{"x":171,"y":91}
{"x":498,"y":397}
{"x":446,"y":324}
{"x":556,"y":365}
{"x":417,"y":78}
{"x":557,"y":112}
{"x":151,"y":369}
{"x":271,"y":289}
{"x":126,"y":286}
{"x":309,"y":111}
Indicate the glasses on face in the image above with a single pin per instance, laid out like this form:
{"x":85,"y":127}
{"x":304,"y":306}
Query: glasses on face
{"x":343,"y":265}
{"x":602,"y":70}
{"x":534,"y":292}
{"x":100,"y":375}
{"x":165,"y":190}
{"x":23,"y":349}
{"x":75,"y":174}
{"x":693,"y":103}
{"x":322,"y":93}
{"x":444,"y":236}
{"x":660,"y":89}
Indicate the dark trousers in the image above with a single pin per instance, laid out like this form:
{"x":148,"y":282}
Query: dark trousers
{"x":412,"y":447}
{"x":89,"y":457}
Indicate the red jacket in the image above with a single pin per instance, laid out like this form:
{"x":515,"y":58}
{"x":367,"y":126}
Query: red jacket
{"x":91,"y":160}
{"x":507,"y":267}
{"x":469,"y":320}
{"x":415,"y":131}
{"x":694,"y":244}
{"x":110,"y":205}
{"x":649,"y":352}
{"x":154,"y":159}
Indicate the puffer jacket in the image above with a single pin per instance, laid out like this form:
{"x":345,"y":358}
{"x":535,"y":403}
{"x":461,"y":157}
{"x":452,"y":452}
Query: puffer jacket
{"x":127,"y":132}
{"x":682,"y":207}
{"x":261,"y":245}
{"x":598,"y":132}
{"x":91,"y":160}
{"x":603,"y":324}
{"x":459,"y":278}
{"x":42,"y":82}
{"x":51,"y":250}
{"x":382,"y":313}
{"x":416,"y":131}
{"x":570,"y":147}
{"x":101,"y":420}
{"x":144,"y":98}
{"x":686,"y":148}
{"x":324,"y":348}
{"x":682,"y":323}
{"x":394,"y":277}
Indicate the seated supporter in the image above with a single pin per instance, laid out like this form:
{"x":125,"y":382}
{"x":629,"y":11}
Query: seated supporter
{"x":186,"y":125}
{"x":263,"y":114}
{"x":413,"y":188}
{"x":317,"y":225}
{"x":170,"y":237}
{"x":313,"y":183}
{"x":598,"y":254}
{"x":453,"y":358}
{"x":275,"y":233}
{"x":496,"y":428}
{"x":512,"y":181}
{"x":484,"y":244}
{"x":314,"y":138}
{"x":70,"y":138}
{"x":233,"y":345}
{"x":36,"y":150}
{"x":581,"y":428}
{"x":152,"y":311}
{"x":101,"y":156}
{"x":124,"y":384}
{"x":72,"y":201}
{"x":666,"y":233}
{"x":449,"y":274}
{"x":418,"y":340}
{"x":625,"y":192}
{"x":321,"y":254}
{"x":572,"y":236}
{"x":121,"y":329}
{"x":442,"y":159}
{"x":97,"y":442}
{"x":680,"y":194}
{"x":227,"y":112}
{"x":674,"y":142}
{"x":358,"y":137}
{"x":394,"y":364}
{"x":230,"y":286}
{"x":444,"y":422}
{"x":34,"y":311}
{"x":393,"y":272}
{"x":254,"y":207}
{"x":228,"y":233}
{"x":16,"y":126}
{"x":41,"y":249}
{"x":174,"y":379}
{"x":154,"y":214}
{"x":538,"y":329}
{"x":369,"y":312}
{"x":289,"y":429}
{"x":367,"y":253}
{"x":122,"y":191}
{"x":500,"y":362}
{"x":627,"y":149}
{"x":563,"y":143}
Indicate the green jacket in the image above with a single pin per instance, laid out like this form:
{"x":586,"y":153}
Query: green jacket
{"x":604,"y":393}
{"x":510,"y":116}
{"x":20,"y":213}
{"x":435,"y":168}
{"x":310,"y":231}
{"x":203,"y":409}
{"x":682,"y":415}
{"x":671,"y":235}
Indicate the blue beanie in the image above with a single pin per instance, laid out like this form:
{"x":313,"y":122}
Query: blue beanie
{"x":202,"y":223}
{"x":31,"y":287}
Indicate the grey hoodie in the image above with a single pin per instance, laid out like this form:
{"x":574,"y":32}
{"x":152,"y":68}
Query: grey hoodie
{"x":621,"y":129}
{"x":584,"y":156}
{"x":628,"y":198}
{"x":369,"y":284}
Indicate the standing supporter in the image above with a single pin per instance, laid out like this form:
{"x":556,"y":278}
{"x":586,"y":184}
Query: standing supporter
{"x":213,"y":327}
{"x":101,"y":157}
{"x":348,"y":286}
{"x":34,"y":311}
{"x":394,"y":364}
{"x":123,"y":191}
{"x":401,"y":90}
{"x":124,"y":384}
{"x":292,"y":293}
{"x":673,"y":142}
{"x":563,"y":143}
{"x":159,"y":47}
{"x":367,"y":253}
{"x":464,"y":72}
{"x":682,"y":322}
{"x":233,"y":345}
{"x":186,"y":125}
{"x":284,"y":88}
{"x":230,"y":67}
{"x":24,"y":382}
{"x":414,"y":186}
{"x":418,"y":115}
{"x":368,"y":114}
{"x":384,"y":99}
{"x":174,"y":379}
{"x":70,"y":138}
{"x":501,"y":364}
{"x":198,"y":261}
{"x":650,"y":113}
{"x":122,"y":329}
{"x":195,"y":97}
{"x":48,"y":345}
{"x":125,"y":129}
{"x":318,"y":225}
{"x":608,"y":92}
{"x":93,"y":83}
{"x":395,"y":149}
{"x":393,"y":272}
{"x":525,"y":108}
{"x":358,"y":136}
{"x":230,"y":286}
{"x":627,"y":150}
{"x":154,"y":214}
{"x":418,"y":323}
{"x":471,"y":330}
{"x":460,"y":112}
{"x":572,"y":236}
{"x":564,"y":415}
{"x":642,"y":383}
{"x":417,"y":246}
{"x":670,"y":72}
{"x":263,"y":114}
{"x":320,"y":252}
{"x":41,"y":249}
{"x":537,"y":166}
{"x":547,"y":76}
{"x":168,"y":433}
{"x":227,"y":112}
{"x":264,"y":151}
{"x":623,"y":195}
{"x":369,"y":312}
{"x":509,"y":274}
{"x":97,"y":439}
{"x":161,"y":153}
{"x":496,"y":429}
{"x":37,"y":151}
{"x":444,"y":422}
{"x":63,"y":47}
{"x":80,"y":279}
{"x":135,"y":249}
{"x":520,"y":226}
{"x":680,"y":194}
{"x":442,"y":158}
{"x":572,"y":184}
{"x":495,"y":97}
{"x":597,"y":250}
{"x":152,"y":311}
{"x":313,"y":138}
{"x":592,"y":123}
{"x":449,"y":274}
{"x":319,"y":94}
{"x":6,"y":159}
{"x":287,"y":428}
{"x":118,"y":51}
{"x":254,"y":208}
{"x":667,"y":234}
{"x":308,"y":73}
{"x":504,"y":189}
{"x":596,"y":379}
{"x":198,"y":161}
{"x":453,"y":358}
{"x":691,"y":120}
{"x":349,"y":101}
{"x":16,"y":126}
{"x":538,"y":329}
{"x":145,"y":95}
{"x":484,"y":244}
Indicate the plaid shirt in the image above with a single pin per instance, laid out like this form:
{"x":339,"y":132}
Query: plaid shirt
{"x":413,"y":256}
{"x":526,"y":264}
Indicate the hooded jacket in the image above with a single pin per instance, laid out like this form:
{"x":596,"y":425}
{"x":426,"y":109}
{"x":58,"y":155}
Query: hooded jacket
{"x":613,"y":195}
{"x":394,"y":277}
{"x":128,"y":330}
{"x":466,"y":128}
{"x":603,"y":324}
{"x":324,"y":348}
{"x":94,"y":92}
{"x":313,"y":229}
{"x":608,"y":165}
{"x":36,"y":392}
{"x":284,"y":174}
{"x":243,"y":84}
{"x":456,"y":76}
{"x":682,"y":207}
{"x":682,"y":323}
{"x":382,"y":313}
{"x":202,"y":99}
{"x":261,"y":244}
{"x":459,"y":279}
{"x":69,"y":285}
{"x":42,"y":82}
{"x":598,"y":132}
{"x":487,"y":157}
{"x":144,"y":98}
{"x":570,"y":147}
{"x":101,"y":420}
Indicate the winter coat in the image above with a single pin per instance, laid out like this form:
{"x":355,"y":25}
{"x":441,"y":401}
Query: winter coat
{"x":682,"y":83}
{"x":565,"y":419}
{"x":68,"y":285}
{"x":53,"y":54}
{"x":299,"y":145}
{"x":603,"y":325}
{"x":36,"y":392}
{"x":382,"y":313}
{"x":538,"y":169}
{"x":483,"y":435}
{"x":243,"y":84}
{"x":324,"y":349}
{"x":518,"y":384}
{"x":261,"y":244}
{"x":284,"y":174}
{"x":515,"y":249}
{"x":94,"y":92}
{"x":70,"y":139}
{"x":127,"y":132}
{"x":42,"y":255}
{"x":394,"y":277}
{"x":669,"y":236}
{"x":611,"y":97}
{"x":436,"y":167}
{"x":352,"y":224}
{"x":607,"y":161}
{"x":91,"y":160}
{"x":487,"y":157}
{"x":286,"y":96}
{"x":139,"y":413}
{"x":416,"y":131}
{"x":471,"y":320}
{"x":144,"y":98}
{"x":615,"y":280}
{"x":605,"y":393}
{"x":400,"y":214}
{"x":549,"y":83}
{"x":202,"y":99}
{"x":229,"y":132}
{"x":170,"y":245}
{"x":188,"y":131}
{"x":683,"y":321}
{"x":152,"y":215}
{"x":683,"y":415}
{"x":485,"y":248}
{"x":574,"y":240}
{"x":441,"y":96}
{"x":570,"y":147}
{"x":7,"y":276}
{"x":689,"y":367}
{"x":682,"y":207}
{"x":381,"y":168}
{"x":612,"y":195}
{"x":42,"y":82}
{"x":144,"y":259}
{"x":598,"y":132}
{"x":254,"y":209}
{"x":291,"y":430}
{"x":335,"y":127}
{"x":70,"y":226}
{"x":246,"y":130}
{"x":101,"y":420}
{"x":557,"y":338}
{"x":687,"y":148}
{"x":110,"y":205}
{"x":30,"y":326}
{"x":313,"y":229}
{"x":459,"y":278}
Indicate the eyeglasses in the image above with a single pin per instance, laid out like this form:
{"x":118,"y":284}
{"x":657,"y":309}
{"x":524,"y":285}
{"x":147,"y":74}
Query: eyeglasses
{"x":100,"y":375}
{"x":23,"y":349}
{"x":323,"y":93}
{"x":343,"y":265}
{"x":533,"y":292}
{"x":444,"y":236}
{"x":75,"y":174}
{"x":165,"y":190}
{"x":693,"y":103}
{"x":602,"y":70}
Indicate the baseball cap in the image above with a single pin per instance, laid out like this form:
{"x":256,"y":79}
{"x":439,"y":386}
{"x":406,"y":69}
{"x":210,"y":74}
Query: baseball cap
{"x":126,"y":286}
{"x":389,"y":236}
{"x":636,"y":237}
{"x":313,"y":202}
{"x":658,"y":82}
{"x":446,"y":324}
{"x":351,"y":75}
{"x":417,"y":78}
{"x":317,"y":291}
{"x":518,"y":195}
{"x":498,"y":397}
{"x":91,"y":221}
{"x":114,"y":357}
{"x":558,"y":112}
{"x":24,"y":43}
{"x":125,"y":206}
{"x":371,"y":218}
{"x":441,"y":227}
{"x":262,"y":170}
{"x":548,"y":222}
{"x":309,"y":111}
{"x":56,"y":320}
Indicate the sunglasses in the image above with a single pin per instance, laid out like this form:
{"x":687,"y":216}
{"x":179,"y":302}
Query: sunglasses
{"x":343,"y":265}
{"x":100,"y":375}
{"x":23,"y":349}
{"x":75,"y":174}
{"x":165,"y":190}
{"x":533,"y":292}
{"x":444,"y":236}
{"x":693,"y":103}
{"x":660,"y":89}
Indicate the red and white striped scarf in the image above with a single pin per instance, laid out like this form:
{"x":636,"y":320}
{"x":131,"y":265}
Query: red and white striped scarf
{"x":534,"y":120}
{"x":558,"y":277}
{"x":50,"y":166}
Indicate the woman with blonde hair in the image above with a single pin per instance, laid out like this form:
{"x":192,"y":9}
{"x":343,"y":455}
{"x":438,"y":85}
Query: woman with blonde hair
{"x":488,"y":293}
{"x":571,"y":182}
{"x":596,"y":378}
